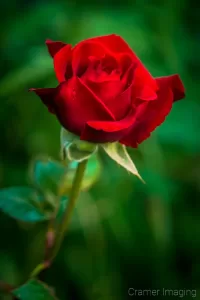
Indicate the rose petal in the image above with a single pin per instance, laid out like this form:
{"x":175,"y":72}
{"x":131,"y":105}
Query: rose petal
{"x":107,"y":131}
{"x":114,"y":93}
{"x":176,"y":85}
{"x":107,"y":91}
{"x":97,"y":70}
{"x":54,"y":47}
{"x":81,"y":53}
{"x":144,"y":93}
{"x":124,"y":62}
{"x":144,"y":85}
{"x":113,"y":42}
{"x":47,"y":96}
{"x":154,"y":113}
{"x":116,"y":44}
{"x":76,"y":104}
{"x":62,"y":63}
{"x":128,"y":78}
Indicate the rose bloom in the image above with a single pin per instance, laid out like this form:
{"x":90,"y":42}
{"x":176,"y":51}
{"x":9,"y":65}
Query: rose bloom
{"x":105,"y":93}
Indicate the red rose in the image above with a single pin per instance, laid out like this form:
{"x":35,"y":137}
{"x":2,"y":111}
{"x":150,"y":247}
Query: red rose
{"x":105,"y":94}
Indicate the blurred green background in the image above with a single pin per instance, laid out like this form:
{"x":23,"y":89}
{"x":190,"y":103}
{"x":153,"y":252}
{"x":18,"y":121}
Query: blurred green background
{"x":124,"y":234}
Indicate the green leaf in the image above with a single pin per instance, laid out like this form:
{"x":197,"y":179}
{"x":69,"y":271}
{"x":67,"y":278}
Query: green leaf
{"x":74,"y":149}
{"x":22,"y":203}
{"x":34,"y":290}
{"x":119,"y":154}
{"x":48,"y":175}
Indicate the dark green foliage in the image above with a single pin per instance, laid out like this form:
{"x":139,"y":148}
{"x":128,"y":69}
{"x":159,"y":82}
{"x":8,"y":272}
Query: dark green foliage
{"x":22,"y":203}
{"x":33,"y":290}
{"x":48,"y":175}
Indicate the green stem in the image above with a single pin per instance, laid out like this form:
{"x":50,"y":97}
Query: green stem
{"x":76,"y":187}
{"x":63,"y":226}
{"x":39,"y":268}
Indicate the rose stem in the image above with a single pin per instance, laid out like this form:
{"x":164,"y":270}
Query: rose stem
{"x":75,"y":190}
{"x":63,"y":226}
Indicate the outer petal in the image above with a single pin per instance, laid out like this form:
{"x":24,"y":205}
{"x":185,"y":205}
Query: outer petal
{"x":176,"y":85}
{"x":144,"y":85}
{"x":113,"y":42}
{"x":170,"y":89}
{"x":103,"y":132}
{"x":47,"y":96}
{"x":62,"y":63}
{"x":54,"y":47}
{"x":140,"y":88}
{"x":76,"y":104}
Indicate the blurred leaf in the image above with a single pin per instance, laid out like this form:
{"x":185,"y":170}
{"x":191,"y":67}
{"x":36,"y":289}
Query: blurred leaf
{"x":22,"y":203}
{"x":48,"y":175}
{"x":119,"y":154}
{"x":34,"y":290}
{"x":74,"y":149}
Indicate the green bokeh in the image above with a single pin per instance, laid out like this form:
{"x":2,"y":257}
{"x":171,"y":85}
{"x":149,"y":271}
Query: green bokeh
{"x":124,"y":234}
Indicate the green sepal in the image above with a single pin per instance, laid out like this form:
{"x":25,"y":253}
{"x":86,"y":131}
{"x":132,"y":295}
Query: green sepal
{"x":118,"y":153}
{"x":74,"y":149}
